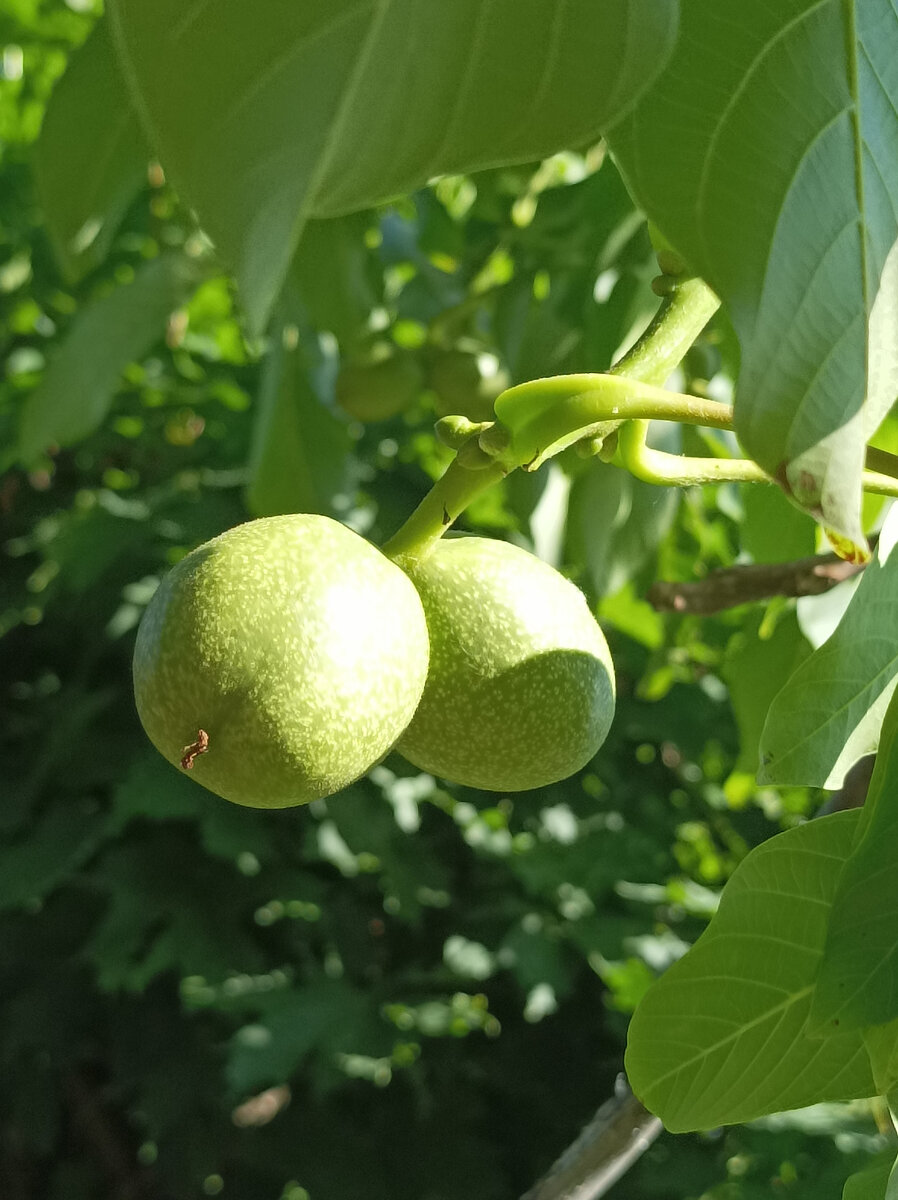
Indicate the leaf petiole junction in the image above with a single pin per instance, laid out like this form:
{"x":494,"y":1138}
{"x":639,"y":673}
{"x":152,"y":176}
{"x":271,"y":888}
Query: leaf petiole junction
{"x":601,"y":412}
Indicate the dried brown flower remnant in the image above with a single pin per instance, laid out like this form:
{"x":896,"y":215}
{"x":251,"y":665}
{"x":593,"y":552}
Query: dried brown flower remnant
{"x":192,"y":752}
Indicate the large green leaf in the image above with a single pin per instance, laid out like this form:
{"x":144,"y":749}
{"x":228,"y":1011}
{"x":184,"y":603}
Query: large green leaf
{"x":331,"y":274}
{"x":299,"y":460}
{"x":858,"y":980}
{"x":91,"y":157}
{"x":325,"y":1015}
{"x":755,"y":669}
{"x":766,"y":153}
{"x":615,"y":523}
{"x":81,"y":379}
{"x":722,"y":1036}
{"x":267,"y":114}
{"x":773,"y":530}
{"x":874,"y":1183}
{"x":882,"y":1047}
{"x":829,"y":713}
{"x":57,"y":843}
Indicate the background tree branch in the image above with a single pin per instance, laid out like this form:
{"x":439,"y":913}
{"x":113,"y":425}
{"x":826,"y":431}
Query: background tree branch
{"x":746,"y":583}
{"x":621,"y":1131}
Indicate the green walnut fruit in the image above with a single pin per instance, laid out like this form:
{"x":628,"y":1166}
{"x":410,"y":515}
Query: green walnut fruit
{"x":280,"y":661}
{"x":377,"y":389}
{"x":520,"y":689}
{"x":460,"y":389}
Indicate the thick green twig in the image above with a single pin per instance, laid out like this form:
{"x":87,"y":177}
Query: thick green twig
{"x":539,"y":419}
{"x":682,"y":316}
{"x":687,"y":308}
{"x":676,"y":470}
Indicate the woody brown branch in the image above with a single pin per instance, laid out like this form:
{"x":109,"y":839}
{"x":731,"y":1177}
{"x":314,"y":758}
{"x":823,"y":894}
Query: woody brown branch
{"x":619,"y":1133}
{"x":750,"y":582}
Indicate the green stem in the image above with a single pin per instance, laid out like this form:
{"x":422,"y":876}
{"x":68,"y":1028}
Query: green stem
{"x":881,"y":485}
{"x":446,"y":500}
{"x":881,"y":461}
{"x":600,"y":402}
{"x":538,"y":420}
{"x":677,"y":470}
{"x":688,"y":307}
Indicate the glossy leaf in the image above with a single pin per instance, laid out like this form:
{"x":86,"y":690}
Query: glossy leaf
{"x":829,"y":713}
{"x":723,"y":1035}
{"x":766,"y":153}
{"x":81,"y":379}
{"x":858,"y":982}
{"x":267,"y":115}
{"x":91,"y":157}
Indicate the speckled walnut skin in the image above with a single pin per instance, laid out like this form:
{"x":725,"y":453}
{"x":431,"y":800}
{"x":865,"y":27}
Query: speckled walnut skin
{"x":520,"y":691}
{"x":295,"y":645}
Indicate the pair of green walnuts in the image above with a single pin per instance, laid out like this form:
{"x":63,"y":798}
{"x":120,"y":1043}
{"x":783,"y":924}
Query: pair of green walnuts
{"x":280,"y":661}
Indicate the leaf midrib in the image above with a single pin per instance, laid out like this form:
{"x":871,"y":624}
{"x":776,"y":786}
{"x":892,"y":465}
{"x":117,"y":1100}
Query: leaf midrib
{"x":849,"y":12}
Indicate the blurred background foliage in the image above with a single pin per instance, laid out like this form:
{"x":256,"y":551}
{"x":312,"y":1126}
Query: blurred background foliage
{"x":411,"y":990}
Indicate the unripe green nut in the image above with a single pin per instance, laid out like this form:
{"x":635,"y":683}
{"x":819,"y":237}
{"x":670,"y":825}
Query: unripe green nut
{"x":280,"y":661}
{"x":378,"y":389}
{"x":455,"y":378}
{"x":520,"y":690}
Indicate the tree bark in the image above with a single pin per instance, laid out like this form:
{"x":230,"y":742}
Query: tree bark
{"x":750,"y":582}
{"x":620,"y":1132}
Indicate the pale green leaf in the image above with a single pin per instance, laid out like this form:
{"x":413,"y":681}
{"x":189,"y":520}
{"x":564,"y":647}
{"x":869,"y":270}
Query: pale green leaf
{"x":81,"y":379}
{"x":766,"y":153}
{"x":722,"y":1036}
{"x":858,"y":981}
{"x":270,"y":113}
{"x":91,"y":157}
{"x":829,"y":713}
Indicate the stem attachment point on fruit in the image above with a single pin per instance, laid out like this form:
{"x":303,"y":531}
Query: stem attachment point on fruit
{"x":195,"y":749}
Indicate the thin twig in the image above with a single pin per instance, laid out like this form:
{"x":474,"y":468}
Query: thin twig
{"x":750,"y":582}
{"x":620,"y":1132}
